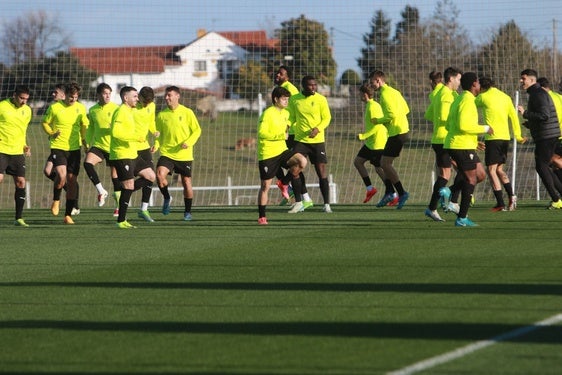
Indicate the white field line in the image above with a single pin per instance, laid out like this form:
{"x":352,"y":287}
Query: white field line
{"x":471,"y":348}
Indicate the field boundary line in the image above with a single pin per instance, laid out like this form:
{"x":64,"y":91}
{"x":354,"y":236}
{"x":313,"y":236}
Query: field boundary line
{"x":471,"y":348}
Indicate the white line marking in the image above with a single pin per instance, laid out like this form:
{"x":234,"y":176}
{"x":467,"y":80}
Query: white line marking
{"x":465,"y":350}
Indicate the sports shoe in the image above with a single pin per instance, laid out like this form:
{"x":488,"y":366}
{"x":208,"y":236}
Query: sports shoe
{"x":297,"y":207}
{"x":453,"y":207}
{"x":124,"y":225}
{"x":444,"y":196}
{"x":465,"y":222}
{"x":402,"y":200}
{"x":327,"y":209}
{"x":21,"y":223}
{"x":555,"y":205}
{"x":166,"y":206}
{"x":55,"y":207}
{"x":284,"y":189}
{"x":75,"y":211}
{"x":387,"y":199}
{"x":146,"y":216}
{"x":394,"y":200}
{"x":498,"y":209}
{"x":116,"y":212}
{"x":434,"y":215}
{"x":68,"y":220}
{"x":262,"y":221}
{"x":512,"y":203}
{"x":307,"y":204}
{"x":187,"y":216}
{"x":369,"y":195}
{"x":101,"y":198}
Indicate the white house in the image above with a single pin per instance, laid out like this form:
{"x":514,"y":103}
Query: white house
{"x":205,"y":64}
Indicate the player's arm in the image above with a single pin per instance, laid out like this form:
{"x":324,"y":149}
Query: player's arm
{"x":194,"y":129}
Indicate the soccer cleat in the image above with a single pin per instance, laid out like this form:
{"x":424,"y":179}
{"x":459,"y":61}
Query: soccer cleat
{"x":116,"y":212}
{"x":307,"y":204}
{"x":166,"y":206}
{"x":434,"y":215}
{"x":68,"y":220}
{"x":465,"y":222}
{"x":285,"y":201}
{"x":21,"y":223}
{"x":327,"y":209}
{"x":402,"y":200}
{"x":187,"y":216}
{"x":124,"y":225}
{"x":55,"y":207}
{"x":453,"y":207}
{"x":146,"y":216}
{"x":75,"y":211}
{"x":394,"y":200}
{"x":297,"y":207}
{"x":102,"y":197}
{"x":555,"y":205}
{"x":369,"y":195}
{"x":262,"y":221}
{"x":444,"y":196}
{"x":512,"y":203}
{"x":387,"y":199}
{"x":498,"y":209}
{"x":284,"y":189}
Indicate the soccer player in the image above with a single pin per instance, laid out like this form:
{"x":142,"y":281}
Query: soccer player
{"x":440,"y":106}
{"x":145,"y":120}
{"x":557,"y":101}
{"x":498,"y":111}
{"x":66,"y":123}
{"x":123,"y":153}
{"x":543,"y":123}
{"x":462,"y":140}
{"x":310,"y":114}
{"x":374,"y":138}
{"x":273,"y":153}
{"x":395,"y":111}
{"x":98,"y":137}
{"x":15,"y":116}
{"x":178,"y":131}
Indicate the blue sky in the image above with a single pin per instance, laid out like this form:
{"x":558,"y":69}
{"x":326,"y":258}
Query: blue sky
{"x":102,"y":23}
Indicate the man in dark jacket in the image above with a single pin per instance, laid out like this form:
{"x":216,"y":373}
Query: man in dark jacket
{"x":545,"y":130}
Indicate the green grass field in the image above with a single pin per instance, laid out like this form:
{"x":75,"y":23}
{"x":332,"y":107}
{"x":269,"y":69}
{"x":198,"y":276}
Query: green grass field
{"x":360,"y":291}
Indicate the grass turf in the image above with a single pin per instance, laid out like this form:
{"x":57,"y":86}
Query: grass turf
{"x":359,"y":291}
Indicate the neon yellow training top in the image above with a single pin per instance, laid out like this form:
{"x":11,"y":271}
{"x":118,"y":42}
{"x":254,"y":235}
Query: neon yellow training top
{"x":307,"y":113}
{"x":13,"y":127}
{"x":498,"y":111}
{"x":99,"y":131}
{"x":375,"y":135}
{"x":271,"y":132}
{"x":177,"y":127}
{"x":123,"y":135}
{"x":428,"y":115}
{"x":395,"y":111}
{"x":70,"y":120}
{"x":145,"y":119}
{"x":462,"y":125}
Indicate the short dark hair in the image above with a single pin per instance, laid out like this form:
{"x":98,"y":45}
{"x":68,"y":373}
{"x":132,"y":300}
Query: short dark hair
{"x":376,"y":74}
{"x":468,"y":79}
{"x":146,"y":94}
{"x":435,"y":76}
{"x":543,"y":82}
{"x":450,"y":72}
{"x":125,"y":90}
{"x":102,"y":86}
{"x":173,"y":88}
{"x":279,"y":92}
{"x":306,"y":79}
{"x":486,"y":82}
{"x":285,"y":68}
{"x":530,"y":73}
{"x":72,"y":88}
{"x":21,"y":89}
{"x":368,"y":89}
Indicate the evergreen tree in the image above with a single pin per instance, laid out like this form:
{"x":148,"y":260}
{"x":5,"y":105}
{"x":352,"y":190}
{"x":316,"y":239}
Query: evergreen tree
{"x":377,"y":45}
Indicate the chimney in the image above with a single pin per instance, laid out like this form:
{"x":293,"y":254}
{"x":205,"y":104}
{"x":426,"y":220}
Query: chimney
{"x":201,"y":32}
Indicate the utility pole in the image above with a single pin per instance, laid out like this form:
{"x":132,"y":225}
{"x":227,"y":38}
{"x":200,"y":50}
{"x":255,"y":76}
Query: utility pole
{"x":554,"y":53}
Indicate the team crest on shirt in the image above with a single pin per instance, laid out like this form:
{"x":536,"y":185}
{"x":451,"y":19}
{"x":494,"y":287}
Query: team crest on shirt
{"x":180,"y":118}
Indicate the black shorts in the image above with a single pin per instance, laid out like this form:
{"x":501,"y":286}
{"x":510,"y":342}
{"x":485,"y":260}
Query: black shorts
{"x":269,"y":167}
{"x":182,"y":168}
{"x":100,"y":154}
{"x":466,"y":159}
{"x":128,"y":169}
{"x":496,"y":152}
{"x":71,"y":159}
{"x":442,"y":156}
{"x":394,"y":145}
{"x":316,"y":152}
{"x":146,"y":155}
{"x":13,"y":165}
{"x":373,"y":156}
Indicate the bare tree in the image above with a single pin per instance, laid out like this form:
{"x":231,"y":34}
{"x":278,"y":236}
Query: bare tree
{"x":34,"y":35}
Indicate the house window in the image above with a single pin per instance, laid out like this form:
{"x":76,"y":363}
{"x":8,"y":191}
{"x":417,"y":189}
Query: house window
{"x":200,"y":66}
